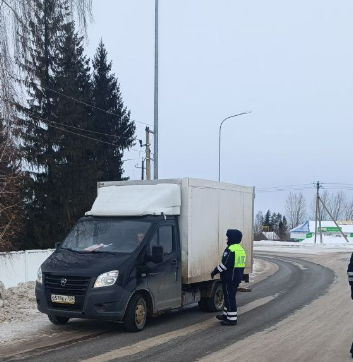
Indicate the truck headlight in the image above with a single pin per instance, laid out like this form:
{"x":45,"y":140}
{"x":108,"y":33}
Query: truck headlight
{"x":40,"y":276}
{"x":106,"y":279}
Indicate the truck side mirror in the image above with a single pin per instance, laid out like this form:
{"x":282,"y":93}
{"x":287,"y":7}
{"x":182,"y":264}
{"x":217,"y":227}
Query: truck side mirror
{"x":157,"y":254}
{"x":57,"y":245}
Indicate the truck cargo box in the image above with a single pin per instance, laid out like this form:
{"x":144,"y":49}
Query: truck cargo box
{"x":207,"y":210}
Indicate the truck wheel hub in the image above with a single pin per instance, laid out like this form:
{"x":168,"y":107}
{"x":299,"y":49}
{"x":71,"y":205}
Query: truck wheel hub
{"x":140,"y":313}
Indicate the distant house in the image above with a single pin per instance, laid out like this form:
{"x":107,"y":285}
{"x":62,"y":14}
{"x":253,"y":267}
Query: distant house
{"x":271,"y":235}
{"x":307,"y":230}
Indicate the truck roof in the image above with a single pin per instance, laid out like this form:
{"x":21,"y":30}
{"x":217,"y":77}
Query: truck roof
{"x":137,"y":200}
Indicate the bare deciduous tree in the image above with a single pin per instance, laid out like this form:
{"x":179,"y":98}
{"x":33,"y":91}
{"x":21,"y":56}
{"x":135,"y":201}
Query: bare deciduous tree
{"x":295,"y":209}
{"x":348,"y":211}
{"x":259,"y":220}
{"x":325,"y":197}
{"x":15,"y":36}
{"x":337,"y":204}
{"x":10,"y":200}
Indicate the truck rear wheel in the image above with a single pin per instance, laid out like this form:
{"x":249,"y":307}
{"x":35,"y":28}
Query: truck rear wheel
{"x":202,"y":305}
{"x":215,"y":303}
{"x":136,"y":314}
{"x":57,"y":320}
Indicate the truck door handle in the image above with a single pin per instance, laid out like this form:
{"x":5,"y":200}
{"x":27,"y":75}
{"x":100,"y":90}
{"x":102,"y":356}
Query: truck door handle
{"x":174,"y":262}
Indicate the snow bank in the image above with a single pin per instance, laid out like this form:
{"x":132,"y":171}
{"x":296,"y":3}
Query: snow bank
{"x":18,"y":303}
{"x":2,"y":295}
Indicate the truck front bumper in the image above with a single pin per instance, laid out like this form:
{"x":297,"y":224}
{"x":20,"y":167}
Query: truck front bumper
{"x":108,"y":303}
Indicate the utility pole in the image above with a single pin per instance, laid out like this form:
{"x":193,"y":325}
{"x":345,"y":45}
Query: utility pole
{"x":327,"y":210}
{"x":155,"y":156}
{"x":317,"y":212}
{"x":142,"y":168}
{"x":148,"y":154}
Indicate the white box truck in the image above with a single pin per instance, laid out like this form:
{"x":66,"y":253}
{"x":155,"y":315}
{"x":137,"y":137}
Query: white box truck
{"x":145,"y":247}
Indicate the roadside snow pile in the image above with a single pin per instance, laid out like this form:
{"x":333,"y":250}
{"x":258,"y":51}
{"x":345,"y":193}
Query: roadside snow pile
{"x":18,"y":303}
{"x":2,"y":295}
{"x":259,"y":266}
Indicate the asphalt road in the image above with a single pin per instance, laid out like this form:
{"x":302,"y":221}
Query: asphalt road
{"x":190,"y":335}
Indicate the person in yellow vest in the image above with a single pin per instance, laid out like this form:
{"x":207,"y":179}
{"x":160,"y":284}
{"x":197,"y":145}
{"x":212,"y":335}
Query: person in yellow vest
{"x":350,"y":281}
{"x":231,"y":269}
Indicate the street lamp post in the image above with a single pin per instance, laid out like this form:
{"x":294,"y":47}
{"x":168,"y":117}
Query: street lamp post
{"x":219,"y":142}
{"x":155,"y":156}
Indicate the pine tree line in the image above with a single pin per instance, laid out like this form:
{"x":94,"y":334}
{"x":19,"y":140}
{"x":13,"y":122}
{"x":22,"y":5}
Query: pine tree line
{"x":57,"y":128}
{"x":271,"y":222}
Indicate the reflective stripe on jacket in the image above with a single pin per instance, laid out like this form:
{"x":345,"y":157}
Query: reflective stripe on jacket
{"x":232,"y":264}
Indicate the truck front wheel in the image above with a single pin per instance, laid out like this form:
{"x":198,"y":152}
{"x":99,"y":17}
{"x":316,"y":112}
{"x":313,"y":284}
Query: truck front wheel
{"x":136,"y":314}
{"x":57,"y":320}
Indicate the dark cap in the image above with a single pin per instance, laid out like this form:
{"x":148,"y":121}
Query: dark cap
{"x":234,"y":236}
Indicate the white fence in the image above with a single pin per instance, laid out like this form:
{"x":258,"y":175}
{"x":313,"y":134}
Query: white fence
{"x":21,"y":266}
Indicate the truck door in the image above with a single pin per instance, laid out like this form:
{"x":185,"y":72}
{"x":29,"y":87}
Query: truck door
{"x":164,"y":279}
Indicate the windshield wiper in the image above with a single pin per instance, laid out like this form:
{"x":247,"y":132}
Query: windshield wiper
{"x":69,"y":249}
{"x":101,"y":252}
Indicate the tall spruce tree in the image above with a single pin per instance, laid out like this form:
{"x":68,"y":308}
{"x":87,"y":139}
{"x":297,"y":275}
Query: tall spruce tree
{"x":283,"y":229}
{"x":76,"y":172}
{"x":115,"y":122}
{"x":267,"y":221}
{"x":39,"y":141}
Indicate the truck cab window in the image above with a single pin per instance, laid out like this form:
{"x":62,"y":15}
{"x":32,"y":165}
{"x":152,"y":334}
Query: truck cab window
{"x":164,"y":237}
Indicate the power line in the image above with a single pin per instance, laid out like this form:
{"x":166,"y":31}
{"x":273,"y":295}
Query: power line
{"x":286,"y":190}
{"x":337,"y":184}
{"x":81,"y":135}
{"x":302,"y":187}
{"x":87,"y":104}
{"x":83,"y":129}
{"x":88,"y":130}
{"x":285,"y":186}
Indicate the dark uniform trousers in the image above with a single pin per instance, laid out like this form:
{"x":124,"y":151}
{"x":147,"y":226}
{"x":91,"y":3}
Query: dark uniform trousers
{"x":231,"y":276}
{"x":350,"y":280}
{"x":230,"y":301}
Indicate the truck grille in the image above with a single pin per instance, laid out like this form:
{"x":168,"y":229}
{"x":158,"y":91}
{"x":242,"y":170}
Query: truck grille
{"x":74,"y":286}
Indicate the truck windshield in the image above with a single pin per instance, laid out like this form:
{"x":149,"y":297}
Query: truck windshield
{"x":114,"y":236}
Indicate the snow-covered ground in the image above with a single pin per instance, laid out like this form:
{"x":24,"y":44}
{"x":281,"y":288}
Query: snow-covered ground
{"x":329,"y":244}
{"x":19,"y":317}
{"x":20,"y":320}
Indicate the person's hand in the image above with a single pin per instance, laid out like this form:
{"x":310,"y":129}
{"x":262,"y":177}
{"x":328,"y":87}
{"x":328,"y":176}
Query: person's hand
{"x":213,"y":274}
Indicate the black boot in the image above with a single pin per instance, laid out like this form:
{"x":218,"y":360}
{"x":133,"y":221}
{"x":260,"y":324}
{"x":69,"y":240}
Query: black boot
{"x":221,"y":317}
{"x":229,"y":323}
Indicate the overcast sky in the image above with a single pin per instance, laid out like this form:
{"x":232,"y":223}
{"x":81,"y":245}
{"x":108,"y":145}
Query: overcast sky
{"x":289,"y":62}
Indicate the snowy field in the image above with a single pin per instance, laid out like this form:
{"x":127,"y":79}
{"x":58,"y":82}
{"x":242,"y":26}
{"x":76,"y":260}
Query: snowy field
{"x":329,"y":244}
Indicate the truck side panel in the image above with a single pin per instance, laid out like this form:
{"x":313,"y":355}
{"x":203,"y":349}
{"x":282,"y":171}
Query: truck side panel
{"x":203,"y":250}
{"x":213,"y":208}
{"x":236,"y":213}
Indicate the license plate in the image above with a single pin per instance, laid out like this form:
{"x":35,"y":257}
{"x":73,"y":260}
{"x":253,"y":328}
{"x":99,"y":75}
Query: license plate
{"x":65,"y":299}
